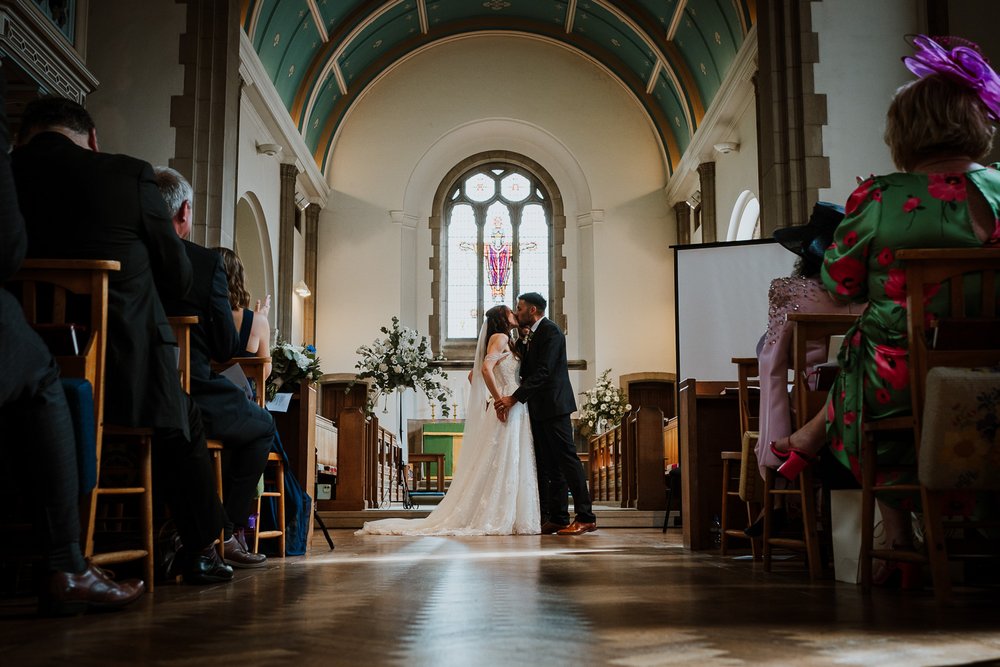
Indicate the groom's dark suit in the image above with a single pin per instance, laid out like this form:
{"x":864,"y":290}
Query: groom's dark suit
{"x":545,"y":387}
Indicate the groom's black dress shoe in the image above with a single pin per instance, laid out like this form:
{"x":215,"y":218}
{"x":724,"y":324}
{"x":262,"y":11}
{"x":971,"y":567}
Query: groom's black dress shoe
{"x":548,"y":528}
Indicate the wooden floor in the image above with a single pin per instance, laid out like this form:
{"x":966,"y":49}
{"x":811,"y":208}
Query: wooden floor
{"x":629,"y":597}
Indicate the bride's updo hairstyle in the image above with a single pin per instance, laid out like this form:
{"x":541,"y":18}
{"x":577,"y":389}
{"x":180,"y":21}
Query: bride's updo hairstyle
{"x":497,"y":321}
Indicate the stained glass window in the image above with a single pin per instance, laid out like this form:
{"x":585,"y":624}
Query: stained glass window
{"x":498,"y":223}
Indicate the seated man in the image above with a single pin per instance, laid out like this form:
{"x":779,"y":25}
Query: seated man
{"x":32,"y":402}
{"x":80,"y":203}
{"x":245,"y":429}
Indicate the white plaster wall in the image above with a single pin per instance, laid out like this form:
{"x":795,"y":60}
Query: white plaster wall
{"x":132,"y":49}
{"x":260,"y":175}
{"x":860,"y":46}
{"x":572,"y":118}
{"x":736,"y":172}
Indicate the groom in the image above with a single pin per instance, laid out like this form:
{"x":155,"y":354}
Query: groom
{"x":546,"y":389}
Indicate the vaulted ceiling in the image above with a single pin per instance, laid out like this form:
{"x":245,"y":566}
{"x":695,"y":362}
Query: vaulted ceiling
{"x":671,"y":54}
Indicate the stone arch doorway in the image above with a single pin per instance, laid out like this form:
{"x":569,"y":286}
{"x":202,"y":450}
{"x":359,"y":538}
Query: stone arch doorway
{"x":252,"y":243}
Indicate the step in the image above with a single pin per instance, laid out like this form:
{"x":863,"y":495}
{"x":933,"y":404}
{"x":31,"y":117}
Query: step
{"x":607,"y":517}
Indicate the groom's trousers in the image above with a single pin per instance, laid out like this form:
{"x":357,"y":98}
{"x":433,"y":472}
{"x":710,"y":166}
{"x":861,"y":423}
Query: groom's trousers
{"x":559,"y":471}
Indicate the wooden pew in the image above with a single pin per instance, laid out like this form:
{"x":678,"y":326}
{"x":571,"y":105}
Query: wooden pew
{"x":626,"y":462}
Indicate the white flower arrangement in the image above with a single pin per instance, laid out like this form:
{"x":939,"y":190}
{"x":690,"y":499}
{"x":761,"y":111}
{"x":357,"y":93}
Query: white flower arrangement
{"x":604,"y":406}
{"x":290,"y":364}
{"x":402,"y":360}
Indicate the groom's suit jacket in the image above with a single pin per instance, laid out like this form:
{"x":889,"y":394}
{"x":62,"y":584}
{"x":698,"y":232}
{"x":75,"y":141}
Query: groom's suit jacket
{"x":545,"y":385}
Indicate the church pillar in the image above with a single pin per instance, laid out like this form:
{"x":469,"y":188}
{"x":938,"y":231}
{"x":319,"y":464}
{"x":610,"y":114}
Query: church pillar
{"x":312,"y":246}
{"x":683,"y":212}
{"x":791,"y":116}
{"x":706,"y":174}
{"x":206,"y":116}
{"x":287,"y":210}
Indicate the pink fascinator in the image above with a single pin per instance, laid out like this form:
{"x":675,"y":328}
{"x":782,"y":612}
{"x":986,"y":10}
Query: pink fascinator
{"x":963,"y":64}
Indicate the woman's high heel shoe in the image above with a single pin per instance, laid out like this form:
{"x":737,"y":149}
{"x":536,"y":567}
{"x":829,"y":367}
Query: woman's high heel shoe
{"x":795,"y":461}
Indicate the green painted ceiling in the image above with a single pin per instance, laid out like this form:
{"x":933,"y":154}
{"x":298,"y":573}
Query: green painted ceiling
{"x":321,"y":54}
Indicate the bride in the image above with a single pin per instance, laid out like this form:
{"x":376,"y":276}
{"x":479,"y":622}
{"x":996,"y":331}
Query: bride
{"x":494,"y":490}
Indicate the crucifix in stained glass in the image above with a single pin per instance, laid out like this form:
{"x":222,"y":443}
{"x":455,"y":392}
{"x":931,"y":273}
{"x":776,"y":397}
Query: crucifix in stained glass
{"x":498,"y":240}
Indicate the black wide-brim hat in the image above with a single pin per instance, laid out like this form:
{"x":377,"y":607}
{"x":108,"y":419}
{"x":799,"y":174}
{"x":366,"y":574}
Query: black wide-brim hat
{"x":814,"y":237}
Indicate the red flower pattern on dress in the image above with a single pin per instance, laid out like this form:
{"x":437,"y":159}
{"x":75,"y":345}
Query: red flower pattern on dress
{"x":890,"y":365}
{"x":885,"y":257}
{"x":911,"y":204}
{"x":895,"y":286}
{"x":848,"y":272}
{"x":946,"y":187}
{"x":882,"y":395}
{"x":858,"y":196}
{"x":836,"y":444}
{"x":850,"y":417}
{"x":850,"y":238}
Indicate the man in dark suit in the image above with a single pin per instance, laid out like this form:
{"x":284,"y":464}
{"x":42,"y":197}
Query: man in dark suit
{"x":80,"y":203}
{"x":246,"y":431}
{"x":545,"y":387}
{"x":33,"y":405}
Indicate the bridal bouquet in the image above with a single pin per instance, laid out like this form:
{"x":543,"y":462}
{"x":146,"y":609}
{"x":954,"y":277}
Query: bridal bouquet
{"x":604,"y":406}
{"x":402,"y":360}
{"x":290,"y":364}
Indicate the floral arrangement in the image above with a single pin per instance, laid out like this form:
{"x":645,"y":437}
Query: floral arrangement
{"x":604,"y":406}
{"x":402,"y":360}
{"x":290,"y":364}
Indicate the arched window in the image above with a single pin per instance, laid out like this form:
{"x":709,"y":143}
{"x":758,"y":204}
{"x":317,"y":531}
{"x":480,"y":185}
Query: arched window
{"x":497,"y":233}
{"x":498,"y":223}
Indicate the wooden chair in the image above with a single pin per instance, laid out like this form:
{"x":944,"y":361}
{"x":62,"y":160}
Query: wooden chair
{"x":274,"y":473}
{"x":968,"y":336}
{"x":807,"y":401}
{"x":90,"y":278}
{"x":746,"y":461}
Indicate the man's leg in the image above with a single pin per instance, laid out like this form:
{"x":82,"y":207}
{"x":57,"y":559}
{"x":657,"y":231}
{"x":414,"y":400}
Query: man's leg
{"x":551,"y":484}
{"x":184,"y":469}
{"x":567,"y":462}
{"x":246,"y":445}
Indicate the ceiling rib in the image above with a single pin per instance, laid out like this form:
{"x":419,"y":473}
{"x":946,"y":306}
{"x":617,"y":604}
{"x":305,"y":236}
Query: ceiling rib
{"x":675,"y":21}
{"x":422,"y":13}
{"x":318,"y":20}
{"x":653,"y":76}
{"x":570,"y":15}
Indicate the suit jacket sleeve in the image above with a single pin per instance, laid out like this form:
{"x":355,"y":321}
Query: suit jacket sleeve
{"x":172,"y":270}
{"x":13,"y":238}
{"x":546,"y":342}
{"x":223,"y":338}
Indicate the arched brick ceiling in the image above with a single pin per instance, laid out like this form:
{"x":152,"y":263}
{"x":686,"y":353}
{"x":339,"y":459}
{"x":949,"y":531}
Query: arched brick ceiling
{"x":671,"y":54}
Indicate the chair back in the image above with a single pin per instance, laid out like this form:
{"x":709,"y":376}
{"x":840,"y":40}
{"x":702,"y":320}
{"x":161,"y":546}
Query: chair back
{"x":181,"y":324}
{"x":253,"y":368}
{"x":946,"y":394}
{"x":748,"y":390}
{"x":46,"y":288}
{"x":809,"y":327}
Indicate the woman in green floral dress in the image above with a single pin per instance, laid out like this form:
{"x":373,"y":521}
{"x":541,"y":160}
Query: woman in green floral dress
{"x":937,"y":128}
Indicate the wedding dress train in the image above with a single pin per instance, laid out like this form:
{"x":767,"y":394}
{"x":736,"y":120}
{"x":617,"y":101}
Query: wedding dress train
{"x":494,"y":488}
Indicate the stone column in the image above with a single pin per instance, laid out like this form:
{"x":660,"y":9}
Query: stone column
{"x":790,"y":115}
{"x":286,"y":249}
{"x":312,"y":246}
{"x":683,"y":213}
{"x":706,"y":174}
{"x":206,"y":116}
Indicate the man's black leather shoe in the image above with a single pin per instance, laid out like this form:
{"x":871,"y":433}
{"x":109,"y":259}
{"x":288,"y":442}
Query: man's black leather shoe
{"x":206,"y":568}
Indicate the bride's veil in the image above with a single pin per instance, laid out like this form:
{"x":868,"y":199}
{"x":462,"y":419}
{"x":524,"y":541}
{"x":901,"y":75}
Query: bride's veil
{"x":477,"y":412}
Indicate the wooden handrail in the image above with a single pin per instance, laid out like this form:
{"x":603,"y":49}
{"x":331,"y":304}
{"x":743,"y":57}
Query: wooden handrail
{"x":87,"y":264}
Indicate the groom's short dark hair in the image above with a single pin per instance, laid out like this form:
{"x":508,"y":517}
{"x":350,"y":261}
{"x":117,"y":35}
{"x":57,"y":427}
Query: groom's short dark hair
{"x":534,"y":299}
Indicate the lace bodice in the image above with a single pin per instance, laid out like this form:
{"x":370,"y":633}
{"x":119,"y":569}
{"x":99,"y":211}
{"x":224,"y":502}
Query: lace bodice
{"x":506,"y":372}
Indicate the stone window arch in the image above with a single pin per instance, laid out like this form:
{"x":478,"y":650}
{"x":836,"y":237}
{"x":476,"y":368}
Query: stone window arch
{"x":478,"y":212}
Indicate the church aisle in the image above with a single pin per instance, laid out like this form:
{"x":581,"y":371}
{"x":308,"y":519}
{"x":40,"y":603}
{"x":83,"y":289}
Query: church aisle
{"x":616,"y":597}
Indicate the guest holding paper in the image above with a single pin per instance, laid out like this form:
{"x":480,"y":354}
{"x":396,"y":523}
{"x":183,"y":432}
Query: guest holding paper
{"x":252,"y":324}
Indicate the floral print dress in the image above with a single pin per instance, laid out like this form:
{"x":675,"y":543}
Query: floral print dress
{"x":883,"y":215}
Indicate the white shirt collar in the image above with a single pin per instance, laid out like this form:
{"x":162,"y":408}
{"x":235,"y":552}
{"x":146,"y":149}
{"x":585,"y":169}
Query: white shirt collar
{"x":534,"y":327}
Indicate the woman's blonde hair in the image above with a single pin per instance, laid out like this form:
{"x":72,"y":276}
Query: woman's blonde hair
{"x":937,"y":117}
{"x":239,"y":297}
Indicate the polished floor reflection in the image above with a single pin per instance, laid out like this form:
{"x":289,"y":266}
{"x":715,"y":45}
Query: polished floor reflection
{"x":628,"y":597}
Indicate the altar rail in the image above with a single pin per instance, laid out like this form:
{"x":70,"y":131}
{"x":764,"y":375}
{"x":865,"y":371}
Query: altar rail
{"x":626,"y":462}
{"x":369,"y":463}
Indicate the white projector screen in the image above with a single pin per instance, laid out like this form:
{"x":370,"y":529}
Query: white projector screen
{"x":722,"y":303}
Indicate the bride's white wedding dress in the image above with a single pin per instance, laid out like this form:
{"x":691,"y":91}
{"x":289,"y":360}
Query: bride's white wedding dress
{"x":494,"y":488}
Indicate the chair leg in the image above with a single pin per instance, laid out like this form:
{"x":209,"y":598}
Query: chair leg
{"x":867,"y":511}
{"x":752,"y":510}
{"x":723,"y":515}
{"x":256,"y":532}
{"x":937,"y":552}
{"x":217,"y":465}
{"x":279,"y":470}
{"x":147,"y":510}
{"x":807,"y":493}
{"x":768,"y":507}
